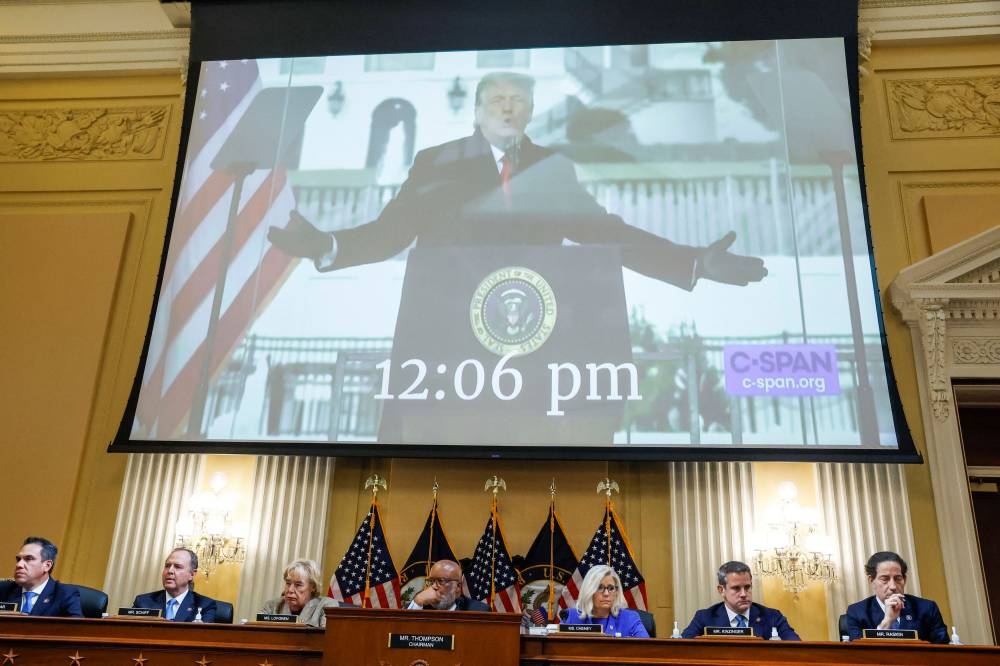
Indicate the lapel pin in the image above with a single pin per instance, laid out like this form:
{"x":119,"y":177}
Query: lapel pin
{"x":909,"y":617}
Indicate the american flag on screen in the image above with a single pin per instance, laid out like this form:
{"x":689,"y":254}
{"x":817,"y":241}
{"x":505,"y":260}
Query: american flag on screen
{"x":178,"y":343}
{"x":492,"y":578}
{"x":366,"y":576}
{"x":609,"y":546}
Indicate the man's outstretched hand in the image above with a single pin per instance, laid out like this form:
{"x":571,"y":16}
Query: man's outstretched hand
{"x":300,"y":238}
{"x":719,"y":264}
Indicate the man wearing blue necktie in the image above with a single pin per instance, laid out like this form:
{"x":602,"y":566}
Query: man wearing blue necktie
{"x":178,"y":601}
{"x":737,"y":608}
{"x":890,"y":607}
{"x":34,"y":589}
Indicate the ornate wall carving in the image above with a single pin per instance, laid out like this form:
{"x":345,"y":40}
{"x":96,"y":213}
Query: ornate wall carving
{"x":975,"y":350}
{"x":932,"y":329}
{"x":944,"y":108}
{"x":83,"y":134}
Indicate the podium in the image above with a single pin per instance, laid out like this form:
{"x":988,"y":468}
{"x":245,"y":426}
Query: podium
{"x":365,"y":636}
{"x":463,"y":310}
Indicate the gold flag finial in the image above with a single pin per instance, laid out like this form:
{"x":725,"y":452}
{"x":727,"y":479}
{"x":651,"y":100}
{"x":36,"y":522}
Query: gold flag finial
{"x":375,"y":482}
{"x":607,"y":486}
{"x":552,"y":489}
{"x":495,"y":484}
{"x":434,"y":488}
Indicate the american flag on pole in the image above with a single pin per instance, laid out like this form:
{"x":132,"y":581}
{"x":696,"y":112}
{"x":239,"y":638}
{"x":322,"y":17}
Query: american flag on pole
{"x":609,"y":546}
{"x":175,"y":362}
{"x":366,"y":576}
{"x":492,"y":578}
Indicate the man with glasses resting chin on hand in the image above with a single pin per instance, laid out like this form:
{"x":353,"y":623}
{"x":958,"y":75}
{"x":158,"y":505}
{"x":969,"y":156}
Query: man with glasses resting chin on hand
{"x":443,"y":590}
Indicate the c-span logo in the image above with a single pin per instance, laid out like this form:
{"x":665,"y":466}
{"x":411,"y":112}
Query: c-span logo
{"x":513,"y":311}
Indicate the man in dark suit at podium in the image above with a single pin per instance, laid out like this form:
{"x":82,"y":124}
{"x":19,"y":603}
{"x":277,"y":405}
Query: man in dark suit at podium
{"x":737,"y":608}
{"x":34,"y":589}
{"x":496,"y":187}
{"x":444,"y":590}
{"x":178,"y":601}
{"x":890,"y":607}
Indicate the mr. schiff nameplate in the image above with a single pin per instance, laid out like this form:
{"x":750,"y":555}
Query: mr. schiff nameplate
{"x":139,"y":612}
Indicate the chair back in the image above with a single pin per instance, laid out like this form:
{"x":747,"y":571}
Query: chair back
{"x":842,"y":628}
{"x":223,"y":612}
{"x":93,"y":602}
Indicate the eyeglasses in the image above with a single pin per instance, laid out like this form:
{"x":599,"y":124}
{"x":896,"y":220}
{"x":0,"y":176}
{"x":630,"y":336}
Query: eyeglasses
{"x":610,"y":589}
{"x":431,"y":582}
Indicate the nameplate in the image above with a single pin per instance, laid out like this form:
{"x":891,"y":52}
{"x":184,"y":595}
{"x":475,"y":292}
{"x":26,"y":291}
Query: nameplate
{"x":729,"y":632}
{"x":276,"y":617}
{"x":139,"y":612}
{"x":891,"y":634}
{"x":9,"y":607}
{"x":423,"y":641}
{"x":581,"y":628}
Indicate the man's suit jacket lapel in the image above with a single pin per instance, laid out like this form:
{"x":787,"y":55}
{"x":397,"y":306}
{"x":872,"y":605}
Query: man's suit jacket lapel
{"x":189,"y":609}
{"x":721,"y":618}
{"x":875,"y":612}
{"x":44,"y":599}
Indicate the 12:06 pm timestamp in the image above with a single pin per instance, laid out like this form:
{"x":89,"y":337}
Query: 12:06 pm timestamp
{"x":566,"y":381}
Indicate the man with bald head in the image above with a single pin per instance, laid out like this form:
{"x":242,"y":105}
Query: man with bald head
{"x":443,"y":590}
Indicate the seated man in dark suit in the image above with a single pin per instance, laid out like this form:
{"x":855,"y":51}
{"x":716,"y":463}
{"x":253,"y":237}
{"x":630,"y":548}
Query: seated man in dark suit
{"x":737,"y":608}
{"x":444,"y":590}
{"x":890,"y":607}
{"x":34,"y":589}
{"x":178,"y":601}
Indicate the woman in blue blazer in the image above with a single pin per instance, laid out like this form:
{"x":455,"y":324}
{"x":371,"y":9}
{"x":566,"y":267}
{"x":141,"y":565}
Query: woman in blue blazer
{"x":602,"y":601}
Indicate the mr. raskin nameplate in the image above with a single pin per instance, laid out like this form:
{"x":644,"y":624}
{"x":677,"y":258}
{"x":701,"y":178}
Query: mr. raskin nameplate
{"x":8,"y":607}
{"x":581,"y":628}
{"x":276,"y":617}
{"x":729,"y":632}
{"x":139,"y":612}
{"x":891,"y":634}
{"x":424,"y":641}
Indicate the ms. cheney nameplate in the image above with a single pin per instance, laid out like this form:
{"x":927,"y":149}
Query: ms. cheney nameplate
{"x":581,"y":628}
{"x":424,"y":641}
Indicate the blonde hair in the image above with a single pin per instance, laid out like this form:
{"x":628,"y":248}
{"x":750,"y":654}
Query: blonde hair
{"x":585,"y":602}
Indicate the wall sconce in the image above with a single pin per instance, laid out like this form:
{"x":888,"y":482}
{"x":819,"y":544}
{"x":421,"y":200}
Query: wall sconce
{"x":792,"y":548}
{"x":205,"y":528}
{"x":456,"y":95}
{"x":335,"y":100}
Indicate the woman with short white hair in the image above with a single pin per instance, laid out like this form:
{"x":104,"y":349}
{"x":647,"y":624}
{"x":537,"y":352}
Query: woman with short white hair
{"x":602,"y":601}
{"x":301,"y":595}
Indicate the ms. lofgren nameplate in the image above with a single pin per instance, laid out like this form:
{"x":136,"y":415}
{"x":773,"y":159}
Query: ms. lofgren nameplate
{"x":423,"y":641}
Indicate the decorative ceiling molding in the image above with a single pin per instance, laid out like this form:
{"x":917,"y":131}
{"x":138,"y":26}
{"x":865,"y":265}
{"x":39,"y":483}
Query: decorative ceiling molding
{"x":52,"y":37}
{"x":904,"y":21}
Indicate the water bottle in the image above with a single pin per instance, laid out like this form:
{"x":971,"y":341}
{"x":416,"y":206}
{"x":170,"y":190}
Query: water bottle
{"x":774,"y":634}
{"x":677,"y":632}
{"x":955,"y":640}
{"x":197,"y":616}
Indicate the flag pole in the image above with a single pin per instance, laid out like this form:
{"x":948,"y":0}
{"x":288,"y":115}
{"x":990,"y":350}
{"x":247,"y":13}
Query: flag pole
{"x":494,"y":484}
{"x":552,"y":540}
{"x":607,"y":486}
{"x":374,"y":482}
{"x":430,"y":537}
